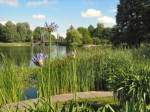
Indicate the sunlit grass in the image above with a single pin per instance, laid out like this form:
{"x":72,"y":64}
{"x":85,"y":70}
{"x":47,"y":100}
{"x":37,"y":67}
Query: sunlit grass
{"x":125,"y":71}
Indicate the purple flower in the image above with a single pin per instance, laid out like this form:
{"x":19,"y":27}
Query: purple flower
{"x":39,"y":59}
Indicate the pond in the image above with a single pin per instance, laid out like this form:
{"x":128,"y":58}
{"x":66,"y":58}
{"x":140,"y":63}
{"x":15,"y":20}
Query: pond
{"x":22,"y":55}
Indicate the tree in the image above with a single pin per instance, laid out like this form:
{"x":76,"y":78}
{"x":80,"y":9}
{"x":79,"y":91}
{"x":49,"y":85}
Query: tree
{"x":107,"y":33}
{"x":86,"y":38}
{"x":24,"y":32}
{"x":73,"y":37}
{"x":41,"y":34}
{"x":99,"y":31}
{"x":146,"y":20}
{"x":11,"y":32}
{"x":132,"y":22}
{"x":2,"y":33}
{"x":91,"y":30}
{"x":37,"y":34}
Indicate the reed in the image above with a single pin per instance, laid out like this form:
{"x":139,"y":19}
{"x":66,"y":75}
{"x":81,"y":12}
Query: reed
{"x":125,"y":71}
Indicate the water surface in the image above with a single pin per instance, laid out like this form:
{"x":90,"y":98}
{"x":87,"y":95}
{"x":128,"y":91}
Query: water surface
{"x":22,"y":55}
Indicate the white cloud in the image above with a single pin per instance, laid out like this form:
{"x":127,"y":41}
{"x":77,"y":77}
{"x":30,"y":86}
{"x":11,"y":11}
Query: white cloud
{"x":9,"y":2}
{"x":107,"y":21}
{"x":38,"y":16}
{"x":91,"y":13}
{"x":36,"y":3}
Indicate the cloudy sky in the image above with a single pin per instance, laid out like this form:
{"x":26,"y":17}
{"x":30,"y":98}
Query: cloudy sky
{"x":62,"y":12}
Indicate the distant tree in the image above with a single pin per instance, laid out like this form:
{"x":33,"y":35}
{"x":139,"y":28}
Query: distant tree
{"x":11,"y":32}
{"x":41,"y":34}
{"x":86,"y":37}
{"x":91,"y":30}
{"x":96,"y":41}
{"x":60,"y":39}
{"x":99,"y":31}
{"x":24,"y":32}
{"x":2,"y":33}
{"x":37,"y":34}
{"x":107,"y":33}
{"x":73,"y":37}
{"x":53,"y":38}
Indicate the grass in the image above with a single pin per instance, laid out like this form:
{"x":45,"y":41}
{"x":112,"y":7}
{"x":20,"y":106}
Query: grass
{"x":100,"y":100}
{"x":125,"y":71}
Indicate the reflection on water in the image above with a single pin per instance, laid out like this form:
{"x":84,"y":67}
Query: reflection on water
{"x":30,"y":93}
{"x":23,"y":55}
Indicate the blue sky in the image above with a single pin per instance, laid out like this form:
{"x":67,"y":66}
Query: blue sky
{"x":63,"y":12}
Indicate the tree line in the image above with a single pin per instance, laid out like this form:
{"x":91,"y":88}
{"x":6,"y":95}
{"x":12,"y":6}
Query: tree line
{"x":11,"y":32}
{"x":132,"y":29}
{"x":21,"y":32}
{"x":90,"y":35}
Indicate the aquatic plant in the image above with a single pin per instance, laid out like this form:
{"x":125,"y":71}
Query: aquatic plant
{"x":39,"y":59}
{"x":121,"y":71}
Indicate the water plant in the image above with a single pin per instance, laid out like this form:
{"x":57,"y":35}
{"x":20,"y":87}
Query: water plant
{"x":118,"y":70}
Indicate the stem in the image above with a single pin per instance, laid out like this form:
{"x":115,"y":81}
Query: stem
{"x":49,"y":71}
{"x":75,"y":79}
{"x":42,"y":88}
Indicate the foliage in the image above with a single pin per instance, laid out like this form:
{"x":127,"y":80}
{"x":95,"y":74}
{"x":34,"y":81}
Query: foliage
{"x":91,"y":30}
{"x":107,"y":33}
{"x":86,"y":38}
{"x":73,"y":37}
{"x":20,"y":32}
{"x":96,"y":41}
{"x":2,"y":33}
{"x":15,"y":33}
{"x":41,"y":34}
{"x":132,"y":22}
{"x":125,"y":72}
{"x":11,"y":32}
{"x":24,"y":32}
{"x":99,"y":31}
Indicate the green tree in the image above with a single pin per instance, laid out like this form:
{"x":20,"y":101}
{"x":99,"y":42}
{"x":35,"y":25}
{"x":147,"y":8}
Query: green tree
{"x":37,"y":34}
{"x":99,"y":31}
{"x":132,"y":22}
{"x":86,"y":38}
{"x":24,"y":32}
{"x":73,"y":37}
{"x":107,"y":33}
{"x":2,"y":33}
{"x":146,"y":20}
{"x":41,"y":34}
{"x":11,"y":32}
{"x":91,"y":29}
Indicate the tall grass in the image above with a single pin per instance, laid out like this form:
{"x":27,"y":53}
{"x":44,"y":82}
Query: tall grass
{"x":124,"y":71}
{"x":12,"y":82}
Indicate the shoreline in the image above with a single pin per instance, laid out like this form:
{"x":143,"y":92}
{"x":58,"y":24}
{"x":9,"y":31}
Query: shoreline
{"x":15,"y":44}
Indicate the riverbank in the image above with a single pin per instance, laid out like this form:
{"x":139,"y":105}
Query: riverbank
{"x":15,"y":44}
